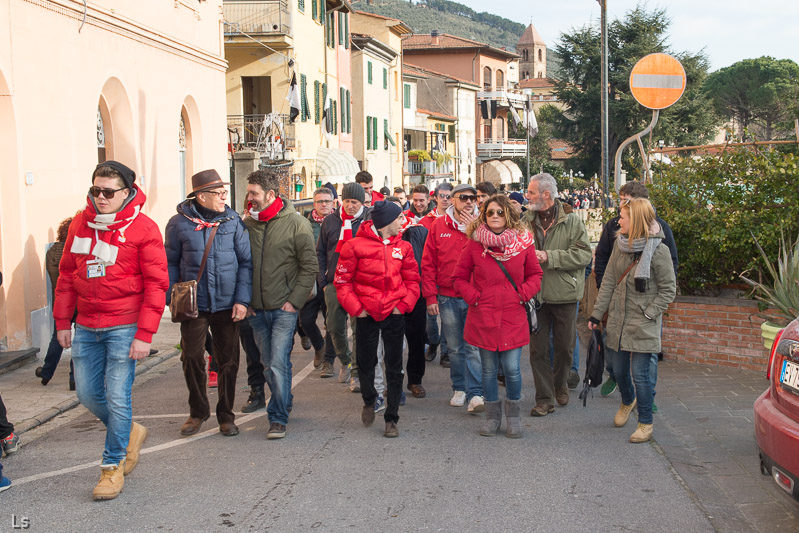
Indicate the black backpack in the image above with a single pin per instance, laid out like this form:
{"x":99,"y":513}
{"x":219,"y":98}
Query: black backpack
{"x":594,"y":365}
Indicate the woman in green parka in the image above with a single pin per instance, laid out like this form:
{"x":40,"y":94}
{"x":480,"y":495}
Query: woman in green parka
{"x":638,"y":286}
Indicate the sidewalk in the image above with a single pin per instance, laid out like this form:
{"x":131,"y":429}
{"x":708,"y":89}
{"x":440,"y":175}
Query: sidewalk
{"x":30,"y":404}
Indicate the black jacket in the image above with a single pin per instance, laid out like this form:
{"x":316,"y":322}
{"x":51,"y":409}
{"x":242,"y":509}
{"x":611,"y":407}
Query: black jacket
{"x":416,"y":235}
{"x":326,"y":243}
{"x":608,"y":240}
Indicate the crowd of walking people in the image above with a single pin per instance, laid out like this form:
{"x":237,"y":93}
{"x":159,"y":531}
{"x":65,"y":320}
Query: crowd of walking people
{"x":462,"y":273}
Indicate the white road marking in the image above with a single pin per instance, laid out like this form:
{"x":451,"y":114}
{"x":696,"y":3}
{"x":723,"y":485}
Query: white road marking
{"x":296,"y":380}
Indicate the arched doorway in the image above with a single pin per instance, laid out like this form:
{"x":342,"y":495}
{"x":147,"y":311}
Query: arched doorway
{"x":118,"y":130}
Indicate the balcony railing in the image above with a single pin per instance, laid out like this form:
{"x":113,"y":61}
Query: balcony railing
{"x":503,"y":98}
{"x":496,"y":148}
{"x":268,"y":17}
{"x":243,"y":132}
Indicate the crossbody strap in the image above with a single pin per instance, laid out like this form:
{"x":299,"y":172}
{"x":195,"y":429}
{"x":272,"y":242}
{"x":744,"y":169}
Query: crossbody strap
{"x":507,"y":275}
{"x":207,"y":251}
{"x":627,"y":272}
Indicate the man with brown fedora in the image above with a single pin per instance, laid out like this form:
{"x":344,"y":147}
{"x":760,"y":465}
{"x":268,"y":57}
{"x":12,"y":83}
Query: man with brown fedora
{"x":224,"y":291}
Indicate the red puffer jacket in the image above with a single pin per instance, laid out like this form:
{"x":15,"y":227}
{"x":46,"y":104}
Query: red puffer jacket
{"x":444,"y":245}
{"x":133,"y":290}
{"x":376,"y":275}
{"x":496,"y":319}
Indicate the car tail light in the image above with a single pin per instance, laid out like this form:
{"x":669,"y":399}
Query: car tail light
{"x":773,"y":351}
{"x":783,"y":480}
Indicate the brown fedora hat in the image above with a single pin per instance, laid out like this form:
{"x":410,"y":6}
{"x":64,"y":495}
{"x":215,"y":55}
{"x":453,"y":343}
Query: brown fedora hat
{"x":205,"y":181}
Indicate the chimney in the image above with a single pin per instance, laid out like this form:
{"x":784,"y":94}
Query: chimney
{"x":434,"y":35}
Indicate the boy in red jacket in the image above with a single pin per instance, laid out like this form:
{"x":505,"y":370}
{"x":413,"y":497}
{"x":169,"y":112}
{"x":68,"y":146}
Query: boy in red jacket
{"x":377,"y":282}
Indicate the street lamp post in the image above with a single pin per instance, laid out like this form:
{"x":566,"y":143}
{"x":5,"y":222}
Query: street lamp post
{"x":604,"y":103}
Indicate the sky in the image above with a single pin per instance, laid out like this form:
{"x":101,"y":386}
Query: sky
{"x":727,"y":30}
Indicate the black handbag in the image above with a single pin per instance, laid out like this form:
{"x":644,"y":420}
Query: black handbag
{"x":183,"y":298}
{"x":529,"y":305}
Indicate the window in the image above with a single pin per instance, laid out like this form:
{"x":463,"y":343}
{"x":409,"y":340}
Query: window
{"x":386,"y":136}
{"x":500,"y":128}
{"x":406,"y":96}
{"x":540,"y":55}
{"x":385,"y":78}
{"x":500,"y":80}
{"x":451,"y":132}
{"x":487,"y":79}
{"x":369,"y":72}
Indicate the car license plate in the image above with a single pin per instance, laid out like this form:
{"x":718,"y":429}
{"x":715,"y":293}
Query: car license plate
{"x":790,"y":375}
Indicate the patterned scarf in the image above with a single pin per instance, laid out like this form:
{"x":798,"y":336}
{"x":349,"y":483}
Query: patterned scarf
{"x":201,"y":224}
{"x":512,"y":242}
{"x":102,"y":233}
{"x":317,"y":217}
{"x":346,"y":228}
{"x":269,"y":213}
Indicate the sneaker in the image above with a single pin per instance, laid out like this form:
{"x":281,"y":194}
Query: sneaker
{"x":402,"y":398}
{"x":344,"y":374}
{"x":476,"y":405}
{"x":327,"y":370}
{"x":306,"y":343}
{"x":444,"y":360}
{"x":355,"y":384}
{"x":608,"y":387}
{"x":380,"y":404}
{"x":573,"y":380}
{"x":623,"y":414}
{"x":256,"y":401}
{"x":10,"y":444}
{"x":213,"y":379}
{"x":654,"y":408}
{"x":276,"y":431}
{"x":5,"y":483}
{"x":112,"y":479}
{"x":458,"y":399}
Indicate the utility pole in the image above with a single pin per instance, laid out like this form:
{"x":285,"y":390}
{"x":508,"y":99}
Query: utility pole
{"x":603,"y":4}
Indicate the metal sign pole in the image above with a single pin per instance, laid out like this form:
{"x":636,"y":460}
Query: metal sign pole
{"x":627,"y":142}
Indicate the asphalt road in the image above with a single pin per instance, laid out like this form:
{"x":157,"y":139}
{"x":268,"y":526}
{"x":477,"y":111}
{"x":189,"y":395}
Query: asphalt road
{"x":571,"y":472}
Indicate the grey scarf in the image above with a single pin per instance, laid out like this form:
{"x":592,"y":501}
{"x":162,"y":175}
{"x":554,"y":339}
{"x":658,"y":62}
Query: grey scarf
{"x":647,"y":248}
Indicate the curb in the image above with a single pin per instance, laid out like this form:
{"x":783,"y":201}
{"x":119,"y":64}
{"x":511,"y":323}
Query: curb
{"x":47,"y":415}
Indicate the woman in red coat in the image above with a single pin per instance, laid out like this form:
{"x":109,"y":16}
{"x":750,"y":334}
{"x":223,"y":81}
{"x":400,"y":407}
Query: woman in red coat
{"x":497,"y":321}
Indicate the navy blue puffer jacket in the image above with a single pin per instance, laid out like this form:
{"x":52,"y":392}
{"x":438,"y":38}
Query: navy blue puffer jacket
{"x":227,"y":279}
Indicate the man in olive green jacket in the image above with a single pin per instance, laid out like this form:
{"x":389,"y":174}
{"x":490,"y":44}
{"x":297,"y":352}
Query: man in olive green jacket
{"x":284,"y":270}
{"x":564,"y":251}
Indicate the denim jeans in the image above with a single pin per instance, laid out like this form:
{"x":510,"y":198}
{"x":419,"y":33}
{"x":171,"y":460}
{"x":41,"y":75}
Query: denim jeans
{"x":434,"y":336}
{"x":274,"y":333}
{"x":513,"y":375}
{"x":640,"y":385}
{"x":465,"y":368}
{"x":653,"y":370}
{"x":104,"y":375}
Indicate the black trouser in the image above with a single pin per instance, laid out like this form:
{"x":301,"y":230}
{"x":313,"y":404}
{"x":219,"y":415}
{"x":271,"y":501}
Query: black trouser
{"x":367,"y":335}
{"x":308,"y":316}
{"x":6,"y":427}
{"x":415,"y":328}
{"x":226,"y":352}
{"x":255,"y":369}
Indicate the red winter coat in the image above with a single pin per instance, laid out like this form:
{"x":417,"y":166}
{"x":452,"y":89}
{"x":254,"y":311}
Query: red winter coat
{"x":429,"y":218}
{"x":376,"y":276}
{"x":444,"y":245}
{"x":133,"y":290}
{"x":496,"y":319}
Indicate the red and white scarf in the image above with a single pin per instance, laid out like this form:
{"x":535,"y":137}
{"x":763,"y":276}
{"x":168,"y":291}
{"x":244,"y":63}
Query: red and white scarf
{"x":102,"y":233}
{"x":317,"y":217}
{"x":346,"y":228}
{"x":512,"y":242}
{"x":267,"y":214}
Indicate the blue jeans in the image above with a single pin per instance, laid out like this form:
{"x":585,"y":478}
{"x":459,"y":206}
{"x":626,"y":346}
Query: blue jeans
{"x":640,"y":385}
{"x":575,"y":354}
{"x":274,"y":333}
{"x":465,"y":368}
{"x":653,"y":370}
{"x":513,"y":375}
{"x":433,"y":335}
{"x":104,"y":375}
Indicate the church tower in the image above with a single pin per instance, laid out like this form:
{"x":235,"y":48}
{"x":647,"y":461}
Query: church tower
{"x":533,"y":50}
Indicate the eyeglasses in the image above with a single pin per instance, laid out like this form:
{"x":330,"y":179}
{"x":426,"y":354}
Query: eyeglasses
{"x":323,"y":201}
{"x":467,"y":197}
{"x":492,"y":212}
{"x":444,"y":196}
{"x":222,"y":194}
{"x":107,"y":193}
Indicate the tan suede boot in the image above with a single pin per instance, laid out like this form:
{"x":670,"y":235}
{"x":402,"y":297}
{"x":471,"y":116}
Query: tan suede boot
{"x":138,"y":434}
{"x":112,"y":479}
{"x":642,"y":434}
{"x":623,"y":414}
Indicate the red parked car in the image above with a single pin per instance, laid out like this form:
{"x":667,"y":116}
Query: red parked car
{"x":777,"y":413}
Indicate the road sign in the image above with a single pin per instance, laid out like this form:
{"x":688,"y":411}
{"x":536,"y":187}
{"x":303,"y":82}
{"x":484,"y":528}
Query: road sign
{"x":657,"y":81}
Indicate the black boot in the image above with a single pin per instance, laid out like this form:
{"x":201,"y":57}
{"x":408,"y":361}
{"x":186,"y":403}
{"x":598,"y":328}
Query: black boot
{"x":430,"y":354}
{"x":256,"y":400}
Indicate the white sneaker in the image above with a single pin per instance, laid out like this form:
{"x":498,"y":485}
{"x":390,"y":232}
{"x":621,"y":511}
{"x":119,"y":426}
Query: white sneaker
{"x":344,"y":374}
{"x":476,"y":405}
{"x":458,"y":399}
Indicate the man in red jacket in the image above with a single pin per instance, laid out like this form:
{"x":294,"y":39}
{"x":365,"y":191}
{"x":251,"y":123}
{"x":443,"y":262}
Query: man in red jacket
{"x":445,"y":241}
{"x":377,"y":281}
{"x":365,"y":180}
{"x":114,"y":271}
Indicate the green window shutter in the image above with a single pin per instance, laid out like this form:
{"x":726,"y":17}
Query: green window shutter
{"x":385,"y":78}
{"x":349,"y":113}
{"x":368,"y":133}
{"x":316,"y":102}
{"x":315,"y":8}
{"x":301,"y":5}
{"x":346,"y":30}
{"x":342,"y":96}
{"x":304,"y":114}
{"x":341,"y":27}
{"x":406,"y":96}
{"x":369,"y":72}
{"x":334,"y":109}
{"x":322,"y":11}
{"x":386,"y":135}
{"x":452,"y":133}
{"x":374,"y":133}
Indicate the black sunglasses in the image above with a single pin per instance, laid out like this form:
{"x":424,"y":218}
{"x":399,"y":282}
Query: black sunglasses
{"x":492,"y":212}
{"x":467,"y":197}
{"x":107,"y":193}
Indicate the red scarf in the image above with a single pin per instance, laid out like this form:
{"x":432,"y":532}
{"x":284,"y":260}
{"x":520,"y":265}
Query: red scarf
{"x":511,"y":242}
{"x":101,"y":233}
{"x":317,"y":217}
{"x":346,"y":228}
{"x":269,"y":213}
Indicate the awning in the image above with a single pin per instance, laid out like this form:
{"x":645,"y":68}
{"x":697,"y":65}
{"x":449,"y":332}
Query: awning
{"x":497,"y":173}
{"x":335,"y":166}
{"x":515,"y":172}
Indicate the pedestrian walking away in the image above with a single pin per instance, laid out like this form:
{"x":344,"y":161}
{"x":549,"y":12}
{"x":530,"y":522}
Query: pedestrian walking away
{"x":638,"y":286}
{"x":207,"y":241}
{"x":377,"y":279}
{"x":114,"y":272}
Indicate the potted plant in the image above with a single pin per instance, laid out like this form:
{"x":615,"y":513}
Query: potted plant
{"x":779,"y":295}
